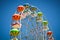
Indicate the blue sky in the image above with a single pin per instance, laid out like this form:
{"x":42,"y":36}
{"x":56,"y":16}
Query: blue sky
{"x":50,"y":8}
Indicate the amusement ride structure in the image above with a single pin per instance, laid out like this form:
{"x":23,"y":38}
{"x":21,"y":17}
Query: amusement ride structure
{"x":28,"y":23}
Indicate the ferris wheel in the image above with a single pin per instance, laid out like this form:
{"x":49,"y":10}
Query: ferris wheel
{"x":29,"y":23}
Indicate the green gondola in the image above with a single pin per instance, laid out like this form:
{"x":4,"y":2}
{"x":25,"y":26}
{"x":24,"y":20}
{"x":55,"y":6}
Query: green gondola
{"x":27,"y":6}
{"x":45,"y":23}
{"x":40,"y":14}
{"x":33,"y":8}
{"x":14,"y":32}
